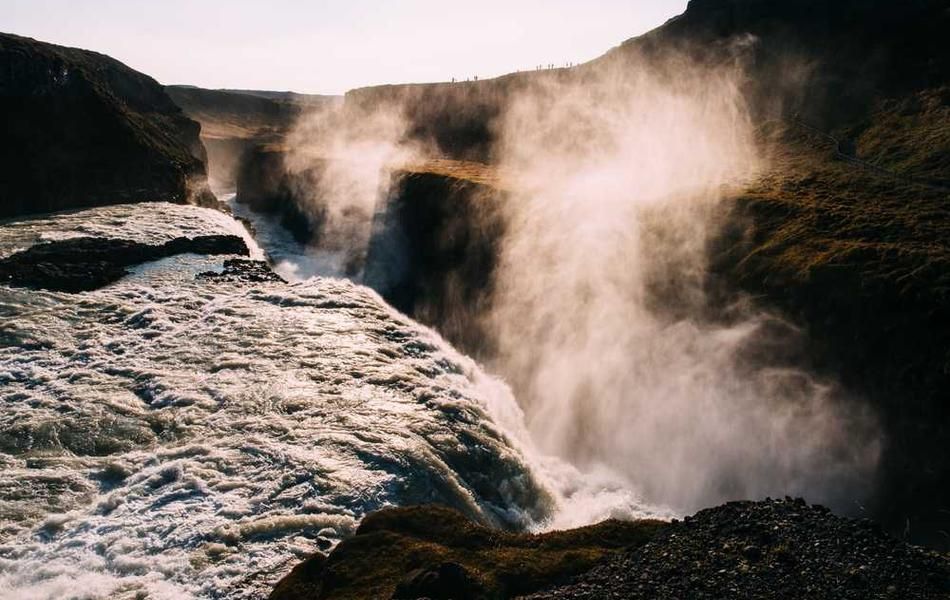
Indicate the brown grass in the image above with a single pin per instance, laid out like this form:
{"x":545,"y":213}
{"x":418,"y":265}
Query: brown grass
{"x":394,"y":542}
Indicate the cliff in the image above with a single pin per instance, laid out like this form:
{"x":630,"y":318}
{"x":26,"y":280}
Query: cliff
{"x":435,"y":235}
{"x":858,"y":256}
{"x":435,"y":246}
{"x":82,"y":129}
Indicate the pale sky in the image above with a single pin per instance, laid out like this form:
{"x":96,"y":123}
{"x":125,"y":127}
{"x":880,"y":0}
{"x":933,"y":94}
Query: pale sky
{"x":330,"y":46}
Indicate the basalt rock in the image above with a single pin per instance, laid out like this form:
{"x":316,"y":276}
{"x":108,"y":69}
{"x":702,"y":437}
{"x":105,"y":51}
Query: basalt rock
{"x":266,"y":186}
{"x":434,"y":252}
{"x":81,"y":129}
{"x":447,"y":581}
{"x":239,"y":270}
{"x":84,"y":264}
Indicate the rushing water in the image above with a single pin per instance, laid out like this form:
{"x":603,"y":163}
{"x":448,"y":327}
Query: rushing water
{"x":167,"y":437}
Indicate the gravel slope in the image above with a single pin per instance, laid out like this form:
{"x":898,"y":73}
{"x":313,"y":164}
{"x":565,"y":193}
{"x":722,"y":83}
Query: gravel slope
{"x":771,"y":549}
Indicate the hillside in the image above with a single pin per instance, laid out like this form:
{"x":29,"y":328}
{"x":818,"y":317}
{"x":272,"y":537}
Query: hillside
{"x":82,"y":129}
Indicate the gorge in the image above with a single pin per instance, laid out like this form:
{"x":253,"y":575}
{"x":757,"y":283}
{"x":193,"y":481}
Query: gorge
{"x":423,"y":331}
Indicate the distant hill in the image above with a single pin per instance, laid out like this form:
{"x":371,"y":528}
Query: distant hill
{"x":295,"y":97}
{"x":234,"y":120}
{"x":244,"y":113}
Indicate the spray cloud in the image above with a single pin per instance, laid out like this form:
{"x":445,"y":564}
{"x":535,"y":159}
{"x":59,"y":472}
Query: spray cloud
{"x":339,"y":163}
{"x":602,"y":320}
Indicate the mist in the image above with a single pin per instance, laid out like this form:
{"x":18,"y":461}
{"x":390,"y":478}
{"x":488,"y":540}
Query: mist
{"x":340,"y":165}
{"x":601,"y":316}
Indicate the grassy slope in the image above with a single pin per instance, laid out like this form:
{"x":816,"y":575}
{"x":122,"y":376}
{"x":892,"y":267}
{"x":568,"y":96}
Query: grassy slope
{"x":861,"y":259}
{"x":392,"y":543}
{"x":909,"y":135}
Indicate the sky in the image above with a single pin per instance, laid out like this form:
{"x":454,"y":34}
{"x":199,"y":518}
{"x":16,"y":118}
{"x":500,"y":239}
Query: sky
{"x":328,"y":47}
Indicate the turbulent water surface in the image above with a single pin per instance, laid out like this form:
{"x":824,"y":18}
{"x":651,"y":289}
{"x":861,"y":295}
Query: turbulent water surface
{"x":168,"y":437}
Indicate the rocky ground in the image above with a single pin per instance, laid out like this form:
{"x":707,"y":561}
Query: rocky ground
{"x":772,"y":549}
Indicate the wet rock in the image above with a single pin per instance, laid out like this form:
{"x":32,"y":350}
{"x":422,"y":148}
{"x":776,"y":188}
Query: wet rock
{"x":238,"y":270}
{"x":85,"y":264}
{"x":266,"y":186}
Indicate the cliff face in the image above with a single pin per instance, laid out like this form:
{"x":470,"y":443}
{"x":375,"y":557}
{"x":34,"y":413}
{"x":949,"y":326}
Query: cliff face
{"x":82,"y":129}
{"x":434,"y":243}
{"x":860,"y":259}
{"x":829,"y":62}
{"x":434,"y":251}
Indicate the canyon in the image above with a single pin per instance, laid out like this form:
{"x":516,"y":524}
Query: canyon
{"x":488,"y":339}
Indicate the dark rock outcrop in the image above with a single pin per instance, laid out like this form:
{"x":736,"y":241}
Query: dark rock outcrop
{"x":84,"y":264}
{"x":266,"y":186}
{"x":239,"y":270}
{"x":82,"y":129}
{"x":447,"y":581}
{"x":434,"y":250}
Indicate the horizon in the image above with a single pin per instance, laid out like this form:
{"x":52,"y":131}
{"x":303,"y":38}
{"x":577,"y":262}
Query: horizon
{"x":327,"y":48}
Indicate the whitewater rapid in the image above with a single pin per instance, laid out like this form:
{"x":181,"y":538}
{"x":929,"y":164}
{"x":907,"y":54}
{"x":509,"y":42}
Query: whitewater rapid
{"x":167,"y":437}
